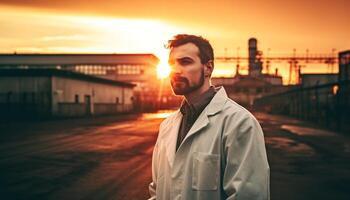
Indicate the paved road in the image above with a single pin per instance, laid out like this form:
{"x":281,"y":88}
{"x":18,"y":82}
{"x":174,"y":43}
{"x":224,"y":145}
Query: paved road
{"x":306,"y":162}
{"x":102,"y":158}
{"x":110,"y":157}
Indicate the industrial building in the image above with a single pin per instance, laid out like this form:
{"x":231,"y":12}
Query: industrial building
{"x":46,"y":93}
{"x":343,"y":88}
{"x":244,"y":89}
{"x":309,"y":80}
{"x":321,"y":98}
{"x":138,"y":69}
{"x":344,"y":65}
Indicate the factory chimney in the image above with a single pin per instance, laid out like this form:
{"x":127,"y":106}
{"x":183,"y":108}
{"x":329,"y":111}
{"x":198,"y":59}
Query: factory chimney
{"x":255,"y":64}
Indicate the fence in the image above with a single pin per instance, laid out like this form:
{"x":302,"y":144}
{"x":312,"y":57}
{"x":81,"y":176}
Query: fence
{"x":327,"y":105}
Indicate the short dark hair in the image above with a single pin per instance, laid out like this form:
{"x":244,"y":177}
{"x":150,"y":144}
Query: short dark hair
{"x":206,"y":52}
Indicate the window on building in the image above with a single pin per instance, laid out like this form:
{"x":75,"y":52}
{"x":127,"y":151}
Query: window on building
{"x":129,"y":69}
{"x":76,"y":98}
{"x":117,"y":100}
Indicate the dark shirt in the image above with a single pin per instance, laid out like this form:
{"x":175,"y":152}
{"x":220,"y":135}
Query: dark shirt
{"x":191,"y":112}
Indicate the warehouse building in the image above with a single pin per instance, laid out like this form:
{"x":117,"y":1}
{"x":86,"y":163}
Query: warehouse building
{"x":138,"y":69}
{"x":46,"y":93}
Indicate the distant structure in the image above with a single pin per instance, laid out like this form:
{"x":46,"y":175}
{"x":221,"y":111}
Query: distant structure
{"x":255,"y":64}
{"x":296,"y":62}
{"x":309,"y":80}
{"x":344,"y":82}
{"x":344,"y":65}
{"x":321,"y":98}
{"x":244,"y":89}
{"x":138,"y":69}
{"x":47,"y":93}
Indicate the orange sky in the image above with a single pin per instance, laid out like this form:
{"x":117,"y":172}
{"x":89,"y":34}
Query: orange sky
{"x":127,"y":26}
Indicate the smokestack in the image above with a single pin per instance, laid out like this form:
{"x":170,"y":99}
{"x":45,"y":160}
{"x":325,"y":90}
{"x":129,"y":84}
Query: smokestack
{"x":253,"y":51}
{"x":255,"y":64}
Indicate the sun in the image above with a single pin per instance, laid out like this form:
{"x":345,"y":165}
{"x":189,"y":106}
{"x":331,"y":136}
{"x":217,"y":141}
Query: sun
{"x":163,"y":68}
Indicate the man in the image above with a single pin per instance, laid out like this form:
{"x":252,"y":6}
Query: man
{"x":211,"y":148}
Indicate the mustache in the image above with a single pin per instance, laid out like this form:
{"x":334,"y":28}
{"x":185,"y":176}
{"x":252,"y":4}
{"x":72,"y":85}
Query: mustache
{"x":178,"y":78}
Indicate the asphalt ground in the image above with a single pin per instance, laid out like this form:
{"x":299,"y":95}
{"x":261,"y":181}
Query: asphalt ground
{"x":110,"y":158}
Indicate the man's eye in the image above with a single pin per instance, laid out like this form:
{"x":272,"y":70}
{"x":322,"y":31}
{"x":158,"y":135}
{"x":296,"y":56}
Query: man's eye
{"x":185,"y":62}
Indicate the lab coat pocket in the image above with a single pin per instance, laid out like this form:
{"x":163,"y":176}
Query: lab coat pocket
{"x":205,"y":171}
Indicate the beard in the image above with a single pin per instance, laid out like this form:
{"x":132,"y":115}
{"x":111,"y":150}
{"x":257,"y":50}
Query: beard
{"x":181,"y":85}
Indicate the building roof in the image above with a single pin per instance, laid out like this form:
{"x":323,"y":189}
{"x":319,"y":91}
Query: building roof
{"x":271,"y":76}
{"x":344,"y":58}
{"x":344,"y":52}
{"x":263,"y":75}
{"x":319,"y":74}
{"x":251,"y":82}
{"x":60,"y":73}
{"x":223,"y":78}
{"x":73,"y":59}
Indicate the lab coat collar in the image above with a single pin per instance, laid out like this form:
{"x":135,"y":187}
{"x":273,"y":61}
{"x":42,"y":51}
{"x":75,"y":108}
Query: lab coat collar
{"x":218,"y":102}
{"x":214,"y":107}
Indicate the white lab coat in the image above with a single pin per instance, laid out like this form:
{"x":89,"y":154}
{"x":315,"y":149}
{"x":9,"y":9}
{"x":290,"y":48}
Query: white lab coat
{"x":223,"y":156}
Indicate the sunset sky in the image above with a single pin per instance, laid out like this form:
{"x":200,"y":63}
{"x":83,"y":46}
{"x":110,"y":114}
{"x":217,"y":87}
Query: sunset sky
{"x":129,"y":26}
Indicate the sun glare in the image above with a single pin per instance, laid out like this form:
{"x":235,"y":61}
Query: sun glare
{"x":163,"y":68}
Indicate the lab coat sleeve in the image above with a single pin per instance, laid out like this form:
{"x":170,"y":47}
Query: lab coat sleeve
{"x":153,"y":185}
{"x":246,"y":172}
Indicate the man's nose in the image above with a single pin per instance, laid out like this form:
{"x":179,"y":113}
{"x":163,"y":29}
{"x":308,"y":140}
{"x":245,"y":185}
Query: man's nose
{"x":175,"y":69}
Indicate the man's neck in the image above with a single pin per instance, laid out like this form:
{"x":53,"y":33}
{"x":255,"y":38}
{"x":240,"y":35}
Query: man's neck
{"x":193,"y":96}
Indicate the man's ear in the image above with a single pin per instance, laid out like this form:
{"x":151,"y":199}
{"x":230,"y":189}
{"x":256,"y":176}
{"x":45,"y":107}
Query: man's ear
{"x":208,"y":68}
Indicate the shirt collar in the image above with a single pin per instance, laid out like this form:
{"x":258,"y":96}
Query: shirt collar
{"x":200,"y":102}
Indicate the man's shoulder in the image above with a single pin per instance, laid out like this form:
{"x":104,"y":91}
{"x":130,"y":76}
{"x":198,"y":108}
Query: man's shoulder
{"x":169,"y":118}
{"x":238,"y":121}
{"x":233,"y":109}
{"x":167,"y":124}
{"x":228,"y":107}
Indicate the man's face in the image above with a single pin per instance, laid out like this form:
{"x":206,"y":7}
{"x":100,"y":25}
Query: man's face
{"x":187,"y":70}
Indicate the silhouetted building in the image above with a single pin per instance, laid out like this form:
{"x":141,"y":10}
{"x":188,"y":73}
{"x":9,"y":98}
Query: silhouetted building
{"x":309,"y":80}
{"x":344,"y":65}
{"x":244,"y":89}
{"x":45,"y":93}
{"x":321,"y":98}
{"x":343,"y":89}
